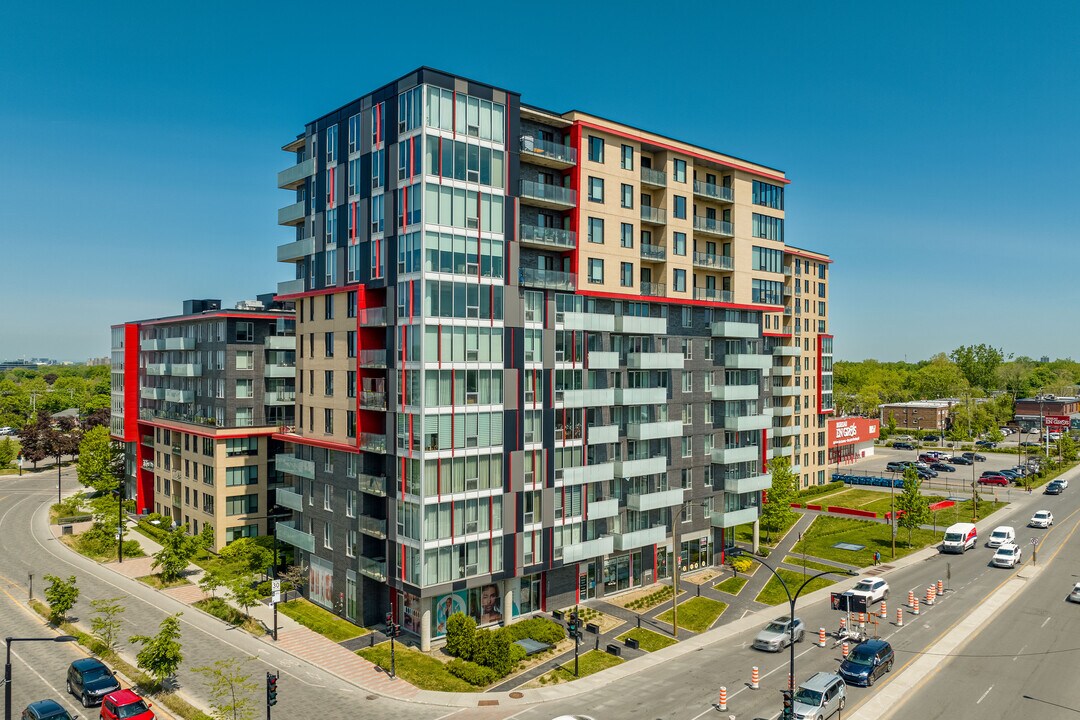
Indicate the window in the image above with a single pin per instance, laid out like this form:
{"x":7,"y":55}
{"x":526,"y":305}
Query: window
{"x":769,"y":228}
{"x":596,"y":270}
{"x":678,"y":243}
{"x":680,"y":207}
{"x":244,"y":388}
{"x":350,"y":304}
{"x":687,"y":446}
{"x":768,"y":259}
{"x":245,"y":359}
{"x":688,"y":414}
{"x":410,"y":104}
{"x":627,"y":196}
{"x":350,"y":342}
{"x":680,"y":170}
{"x":626,"y":274}
{"x":327,"y":536}
{"x":245,"y":331}
{"x":328,"y":383}
{"x":331,"y":144}
{"x":244,"y":475}
{"x":627,"y":161}
{"x":328,"y":308}
{"x":328,"y":341}
{"x":328,"y":497}
{"x":596,"y":189}
{"x":768,"y":292}
{"x":596,"y":230}
{"x":238,"y":447}
{"x":242,"y":505}
{"x":679,"y":277}
{"x":626,"y":239}
{"x":328,"y":421}
{"x":378,"y":158}
{"x":687,"y":321}
{"x":768,"y":195}
{"x":596,"y":149}
{"x":687,"y":381}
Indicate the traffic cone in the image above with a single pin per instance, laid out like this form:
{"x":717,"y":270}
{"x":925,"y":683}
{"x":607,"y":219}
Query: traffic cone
{"x":940,"y":588}
{"x":723,"y":698}
{"x":754,"y":678}
{"x":899,"y":617}
{"x":930,"y":595}
{"x":915,"y":607}
{"x":911,"y":598}
{"x":884,"y":611}
{"x":844,"y":649}
{"x":843,"y":624}
{"x":821,"y":637}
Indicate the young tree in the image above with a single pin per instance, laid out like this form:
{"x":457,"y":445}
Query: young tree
{"x":244,"y":593}
{"x":161,"y":654}
{"x":206,"y":536}
{"x":106,"y":621}
{"x":777,"y":512}
{"x":177,"y":550}
{"x":297,"y":577}
{"x":61,"y":595}
{"x":247,"y":555}
{"x":1067,"y":447}
{"x":211,"y":580}
{"x":7,"y":452}
{"x":231,"y":689}
{"x":461,"y":636}
{"x":101,"y":461}
{"x":32,"y":438}
{"x":911,"y":502}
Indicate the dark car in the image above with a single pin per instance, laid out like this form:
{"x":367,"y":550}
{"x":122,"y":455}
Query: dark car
{"x":895,"y":466}
{"x":931,"y":439}
{"x":993,"y":478}
{"x":903,"y":446}
{"x":1030,"y":443}
{"x":867,"y":662}
{"x":976,"y":457}
{"x":1014,"y":476}
{"x":1054,"y":488}
{"x":90,"y":680}
{"x":925,"y":474}
{"x":942,"y":467}
{"x":961,"y":460}
{"x":45,"y":710}
{"x":988,"y":444}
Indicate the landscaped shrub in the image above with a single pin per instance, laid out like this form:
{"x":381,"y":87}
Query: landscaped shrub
{"x":265,"y":589}
{"x":471,"y":673}
{"x":540,"y":629}
{"x":814,"y":490}
{"x":654,"y":598}
{"x":742,"y":564}
{"x":461,"y":636}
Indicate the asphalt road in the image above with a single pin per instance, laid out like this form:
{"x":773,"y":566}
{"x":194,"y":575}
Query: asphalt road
{"x":27,"y":546}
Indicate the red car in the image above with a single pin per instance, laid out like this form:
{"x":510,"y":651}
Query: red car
{"x":125,"y":705}
{"x":994,"y":479}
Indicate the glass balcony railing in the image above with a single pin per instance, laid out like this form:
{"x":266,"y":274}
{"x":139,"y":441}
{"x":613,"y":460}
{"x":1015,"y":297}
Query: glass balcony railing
{"x":653,"y":177}
{"x":535,"y":148}
{"x":543,"y":278}
{"x":713,"y":226}
{"x":556,"y":194}
{"x":373,"y":400}
{"x":372,"y":316}
{"x":374,"y":568}
{"x":373,"y":358}
{"x":709,"y":260}
{"x":653,"y":252}
{"x":652,"y":289}
{"x":372,"y":484}
{"x":654,"y":215}
{"x":712,"y":295}
{"x":714,"y":192}
{"x":372,"y":442}
{"x":548,"y":236}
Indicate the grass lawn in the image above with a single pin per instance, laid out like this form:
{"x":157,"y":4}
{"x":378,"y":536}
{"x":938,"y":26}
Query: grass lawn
{"x":696,"y":614}
{"x":745,"y":533}
{"x":325,"y":623}
{"x":773,"y":593}
{"x":589,"y":663}
{"x":224,"y":611}
{"x":648,"y":640}
{"x":961,"y":512}
{"x":154,"y":581}
{"x":731,"y":586}
{"x":101,"y":548}
{"x":827,"y":530}
{"x":416,"y":668}
{"x":811,"y":565}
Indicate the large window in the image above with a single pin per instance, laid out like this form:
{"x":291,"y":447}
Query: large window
{"x":596,"y":189}
{"x":769,"y":292}
{"x":465,"y":115}
{"x":768,"y":195}
{"x":242,"y":505}
{"x":596,"y":230}
{"x":463,"y":160}
{"x":457,"y":207}
{"x":410,"y":103}
{"x":461,"y":255}
{"x":245,"y":475}
{"x":596,"y":270}
{"x":768,"y":259}
{"x":245,"y":331}
{"x":769,"y":228}
{"x":596,"y":149}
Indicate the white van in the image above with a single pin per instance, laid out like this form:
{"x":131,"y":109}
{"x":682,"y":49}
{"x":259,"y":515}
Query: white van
{"x":959,"y":538}
{"x":1002,"y":535}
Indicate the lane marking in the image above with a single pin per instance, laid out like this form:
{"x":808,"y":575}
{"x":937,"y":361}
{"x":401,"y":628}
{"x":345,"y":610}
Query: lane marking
{"x":984,"y":695}
{"x":1044,"y":623}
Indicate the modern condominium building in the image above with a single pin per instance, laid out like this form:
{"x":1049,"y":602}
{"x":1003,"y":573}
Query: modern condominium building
{"x":541,"y":356}
{"x":196,"y":399}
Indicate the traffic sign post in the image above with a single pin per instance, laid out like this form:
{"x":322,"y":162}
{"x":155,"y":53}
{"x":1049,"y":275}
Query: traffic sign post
{"x":1034,"y":551}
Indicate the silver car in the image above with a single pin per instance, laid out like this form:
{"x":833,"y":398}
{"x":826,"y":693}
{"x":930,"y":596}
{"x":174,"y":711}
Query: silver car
{"x":776,"y":636}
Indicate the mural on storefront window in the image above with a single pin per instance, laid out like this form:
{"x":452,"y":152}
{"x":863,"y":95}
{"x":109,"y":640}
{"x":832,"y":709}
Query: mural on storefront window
{"x":483,"y":604}
{"x":410,"y":613}
{"x":321,"y":582}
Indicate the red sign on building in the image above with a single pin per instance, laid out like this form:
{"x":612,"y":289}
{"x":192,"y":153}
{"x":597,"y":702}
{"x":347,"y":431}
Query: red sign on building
{"x":852,"y":430}
{"x":1059,"y":423}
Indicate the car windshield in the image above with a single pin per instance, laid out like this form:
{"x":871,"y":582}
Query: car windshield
{"x":861,"y":657}
{"x":95,"y":673}
{"x":953,"y":537}
{"x":999,"y":534}
{"x":1005,"y":551}
{"x":776,"y":627}
{"x":132,"y":710}
{"x":1042,"y":515}
{"x":864,"y":585}
{"x":808,"y":697}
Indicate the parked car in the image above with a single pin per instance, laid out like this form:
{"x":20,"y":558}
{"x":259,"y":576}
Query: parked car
{"x":867,"y":662}
{"x":903,"y":446}
{"x":820,"y":696}
{"x":932,"y":438}
{"x":1008,"y":555}
{"x":1001,"y":535}
{"x":961,"y":460}
{"x":89,"y":679}
{"x":1074,"y":595}
{"x":1011,"y":475}
{"x":1041,"y":519}
{"x":776,"y":636}
{"x":874,"y":589}
{"x":942,"y":467}
{"x":125,"y":705}
{"x":895,"y":466}
{"x":993,"y":478}
{"x":975,"y":457}
{"x":45,"y":710}
{"x":1029,"y":443}
{"x":988,"y":444}
{"x":926,"y":474}
{"x":1062,"y":481}
{"x":1053,"y":488}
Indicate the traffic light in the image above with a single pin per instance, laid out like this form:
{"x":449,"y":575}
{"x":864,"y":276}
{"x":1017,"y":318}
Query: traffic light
{"x":389,"y":622}
{"x":572,"y":624}
{"x":789,"y":706}
{"x":271,"y":689}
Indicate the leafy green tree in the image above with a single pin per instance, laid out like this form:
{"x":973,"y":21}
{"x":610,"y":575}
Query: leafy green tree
{"x":106,"y":621}
{"x":912,"y":503}
{"x":61,"y":438}
{"x":978,"y":363}
{"x":211,"y":580}
{"x":776,"y":513}
{"x":1066,"y":447}
{"x":938,"y":379}
{"x":232,"y":691}
{"x":244,"y":593}
{"x":101,"y":461}
{"x":177,"y":550}
{"x":247,"y":555}
{"x":296,"y":576}
{"x":460,"y":636}
{"x":32,"y":437}
{"x":61,"y":595}
{"x":206,"y":536}
{"x":7,"y":452}
{"x":161,"y":654}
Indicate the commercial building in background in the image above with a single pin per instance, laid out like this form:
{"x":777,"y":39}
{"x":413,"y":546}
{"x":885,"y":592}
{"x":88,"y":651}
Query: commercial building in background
{"x":919,"y":414}
{"x":851,"y":438}
{"x":530,"y":345}
{"x":1032,"y":412}
{"x":196,"y":399}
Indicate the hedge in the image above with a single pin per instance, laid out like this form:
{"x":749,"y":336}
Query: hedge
{"x":472,"y":673}
{"x":814,"y":490}
{"x":539,"y":629}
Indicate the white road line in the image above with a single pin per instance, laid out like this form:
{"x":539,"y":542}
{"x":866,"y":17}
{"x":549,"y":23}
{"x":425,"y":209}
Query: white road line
{"x":984,"y":695}
{"x":64,"y":695}
{"x":1044,"y":623}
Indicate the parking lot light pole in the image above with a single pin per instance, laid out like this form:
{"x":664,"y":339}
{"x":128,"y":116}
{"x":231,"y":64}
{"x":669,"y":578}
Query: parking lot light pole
{"x":7,"y":665}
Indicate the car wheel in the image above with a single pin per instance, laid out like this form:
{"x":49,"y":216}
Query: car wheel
{"x":843,"y":702}
{"x":69,"y":688}
{"x":85,"y":700}
{"x":888,"y":668}
{"x":885,"y":596}
{"x":800,"y":637}
{"x":870,"y":680}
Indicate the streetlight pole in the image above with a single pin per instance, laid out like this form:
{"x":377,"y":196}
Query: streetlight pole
{"x":892,"y":514}
{"x":677,"y":557}
{"x":7,"y":665}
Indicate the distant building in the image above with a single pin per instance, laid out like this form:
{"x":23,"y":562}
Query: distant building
{"x":1030,"y":412}
{"x":919,"y":414}
{"x":17,"y":364}
{"x":851,"y":438}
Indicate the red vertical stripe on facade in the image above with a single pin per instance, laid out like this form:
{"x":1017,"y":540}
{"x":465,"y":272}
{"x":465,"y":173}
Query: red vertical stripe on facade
{"x":577,"y":585}
{"x":575,"y":185}
{"x":765,"y":449}
{"x":330,"y":190}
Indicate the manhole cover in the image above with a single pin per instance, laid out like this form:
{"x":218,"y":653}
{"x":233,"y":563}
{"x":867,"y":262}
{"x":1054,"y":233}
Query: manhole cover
{"x":516,"y":695}
{"x":487,"y":703}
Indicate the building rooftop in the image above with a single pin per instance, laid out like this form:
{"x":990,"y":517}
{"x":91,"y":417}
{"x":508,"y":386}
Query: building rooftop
{"x":949,"y":402}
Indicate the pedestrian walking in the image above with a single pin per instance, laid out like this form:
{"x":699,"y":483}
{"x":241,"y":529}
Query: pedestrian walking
{"x":877,"y":557}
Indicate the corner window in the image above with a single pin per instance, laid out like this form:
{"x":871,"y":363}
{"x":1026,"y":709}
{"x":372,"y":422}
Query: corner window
{"x":627,"y":161}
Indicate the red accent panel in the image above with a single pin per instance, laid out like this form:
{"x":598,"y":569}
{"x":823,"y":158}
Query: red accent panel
{"x":575,"y":185}
{"x":678,"y":301}
{"x":307,"y":294}
{"x":131,"y":382}
{"x":849,"y":511}
{"x":196,"y":430}
{"x":765,"y":449}
{"x":769,"y":334}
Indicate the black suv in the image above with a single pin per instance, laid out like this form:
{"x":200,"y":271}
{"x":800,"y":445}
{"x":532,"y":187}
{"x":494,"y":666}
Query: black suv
{"x":903,"y":446}
{"x":867,"y":662}
{"x":90,"y":680}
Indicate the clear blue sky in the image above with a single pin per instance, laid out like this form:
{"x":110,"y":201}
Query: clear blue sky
{"x":932,"y":146}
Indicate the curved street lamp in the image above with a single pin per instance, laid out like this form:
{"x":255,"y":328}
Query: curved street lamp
{"x":7,"y":666}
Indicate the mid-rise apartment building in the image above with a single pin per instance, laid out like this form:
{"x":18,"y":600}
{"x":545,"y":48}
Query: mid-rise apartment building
{"x":533,"y":349}
{"x":196,"y":399}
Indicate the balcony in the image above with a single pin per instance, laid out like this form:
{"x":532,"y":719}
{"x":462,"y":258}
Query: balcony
{"x":735,"y":392}
{"x":600,"y":472}
{"x":593,"y":322}
{"x":654,"y":361}
{"x":787,"y":430}
{"x":782,"y":410}
{"x":602,"y":509}
{"x":373,"y":358}
{"x":588,"y":549}
{"x":598,"y":360}
{"x":547,"y":153}
{"x":294,"y":251}
{"x":373,"y":400}
{"x":786,"y":390}
{"x":372,"y":316}
{"x":546,"y":195}
{"x":373,"y":443}
{"x":550,"y":279}
{"x":149,"y":393}
{"x":653,"y":253}
{"x":290,"y":499}
{"x":279,"y":397}
{"x":179,"y":396}
{"x":372,"y":484}
{"x":637,"y":325}
{"x":176,"y":501}
{"x":645,"y":466}
{"x":655,"y":500}
{"x":641,"y":538}
{"x":373,"y":568}
{"x":373,"y":527}
{"x":747,"y":361}
{"x":654,"y":430}
{"x":290,"y":287}
{"x":297,"y":538}
{"x":712,"y":295}
{"x":735,"y":330}
{"x":714,"y":192}
{"x":653,"y":215}
{"x":186,"y":370}
{"x":734,"y":518}
{"x":754,"y":483}
{"x":294,"y":177}
{"x":152,"y":344}
{"x":712,"y":226}
{"x":275,"y":370}
{"x":641,"y":396}
{"x":782,"y":370}
{"x":652,"y":289}
{"x":547,"y":237}
{"x":713,"y":262}
{"x":746,"y":422}
{"x":728,"y":456}
{"x":602,"y":434}
{"x":157,"y":369}
{"x":787,"y":350}
{"x":288,"y":463}
{"x":592,"y":397}
{"x":654,"y":178}
{"x":291,"y":214}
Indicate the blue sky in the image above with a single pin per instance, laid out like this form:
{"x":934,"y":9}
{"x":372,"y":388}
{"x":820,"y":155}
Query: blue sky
{"x":932,"y":146}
